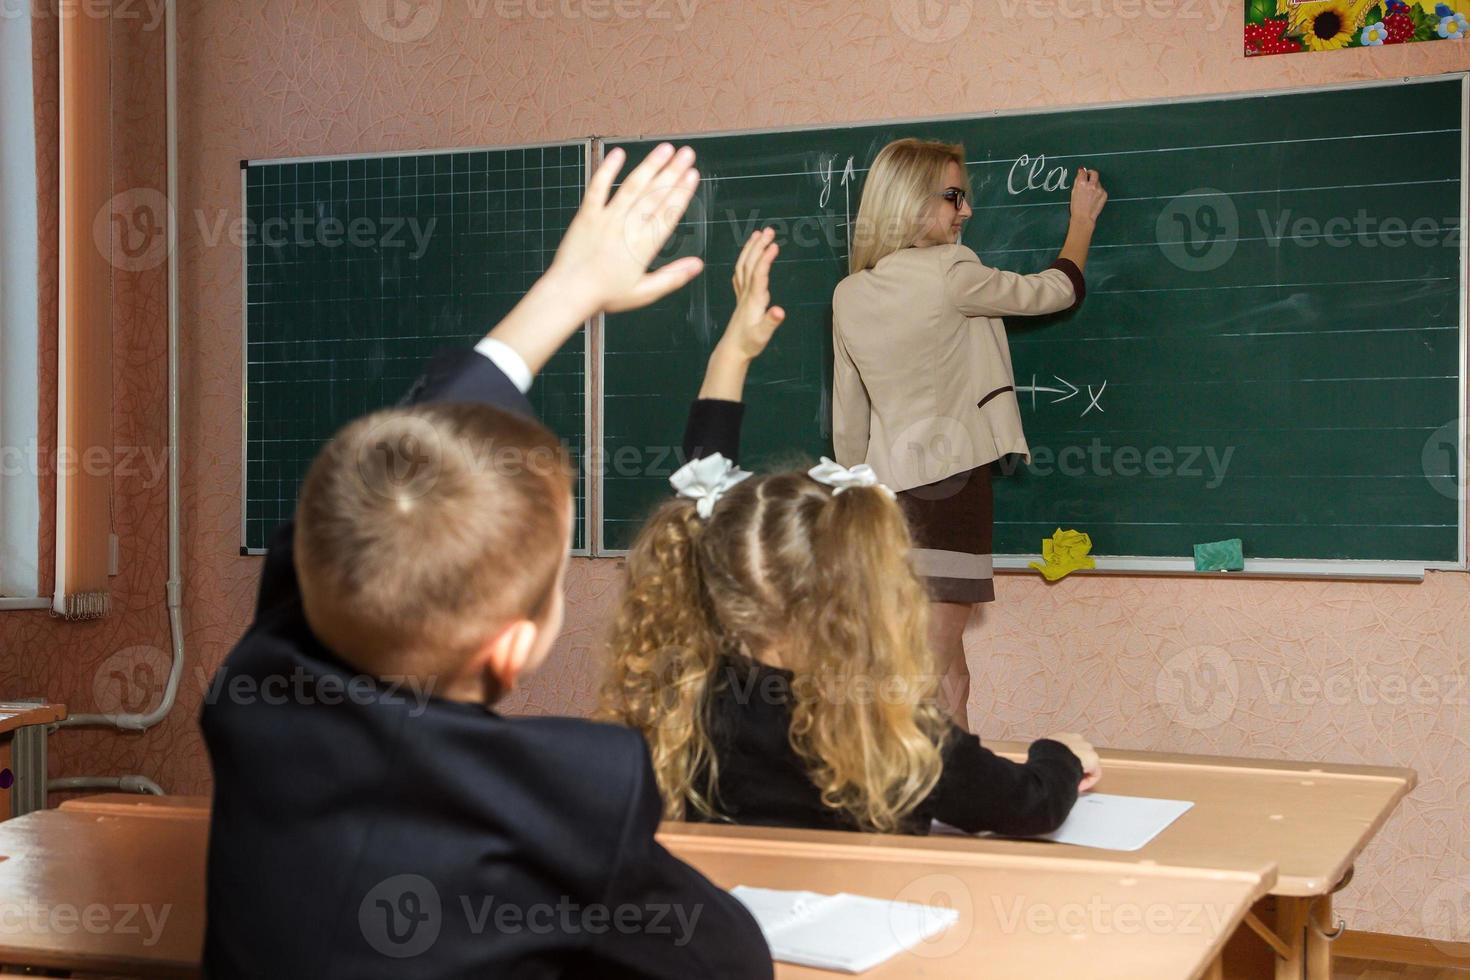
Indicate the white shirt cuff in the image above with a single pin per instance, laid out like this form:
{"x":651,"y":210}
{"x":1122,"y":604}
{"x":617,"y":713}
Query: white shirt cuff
{"x":511,"y":364}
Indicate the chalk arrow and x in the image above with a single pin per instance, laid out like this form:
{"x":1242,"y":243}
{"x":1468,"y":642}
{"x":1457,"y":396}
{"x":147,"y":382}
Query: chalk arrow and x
{"x":1094,"y":398}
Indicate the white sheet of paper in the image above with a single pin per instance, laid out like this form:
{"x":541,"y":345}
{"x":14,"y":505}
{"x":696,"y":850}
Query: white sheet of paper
{"x":1109,"y":822}
{"x":848,"y":933}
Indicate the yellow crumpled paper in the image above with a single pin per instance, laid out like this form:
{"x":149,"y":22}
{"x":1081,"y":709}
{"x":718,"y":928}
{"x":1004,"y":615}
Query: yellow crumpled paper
{"x":1064,"y":552}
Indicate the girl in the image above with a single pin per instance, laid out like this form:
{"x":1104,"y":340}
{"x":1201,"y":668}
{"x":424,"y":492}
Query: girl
{"x":922,"y":383}
{"x":771,"y":645}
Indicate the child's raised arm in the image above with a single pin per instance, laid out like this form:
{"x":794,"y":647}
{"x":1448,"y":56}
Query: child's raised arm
{"x":752,"y":324}
{"x":602,"y":262}
{"x":714,"y":420}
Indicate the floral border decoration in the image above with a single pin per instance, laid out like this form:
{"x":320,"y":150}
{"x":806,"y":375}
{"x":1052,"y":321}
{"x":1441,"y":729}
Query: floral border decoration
{"x":1289,"y":26}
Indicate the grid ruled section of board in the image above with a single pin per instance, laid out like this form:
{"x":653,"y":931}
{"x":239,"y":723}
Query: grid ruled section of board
{"x":360,"y":270}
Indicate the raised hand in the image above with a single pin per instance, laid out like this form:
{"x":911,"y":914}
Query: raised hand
{"x":1088,"y":196}
{"x":752,"y":324}
{"x":605,"y":255}
{"x":754,"y":321}
{"x":602,"y":262}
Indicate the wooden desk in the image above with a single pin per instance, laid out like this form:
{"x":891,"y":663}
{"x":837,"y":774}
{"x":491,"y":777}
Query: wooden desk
{"x":138,"y":805}
{"x":103,"y":894}
{"x":1020,"y":916}
{"x":18,"y":714}
{"x":1310,"y":820}
{"x":17,"y":719}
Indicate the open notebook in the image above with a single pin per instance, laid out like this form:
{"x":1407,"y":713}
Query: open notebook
{"x":1113,"y":823}
{"x":848,"y":933}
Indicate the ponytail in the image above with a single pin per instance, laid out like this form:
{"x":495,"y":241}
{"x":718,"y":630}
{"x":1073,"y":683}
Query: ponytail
{"x":872,"y":740}
{"x":665,"y":656}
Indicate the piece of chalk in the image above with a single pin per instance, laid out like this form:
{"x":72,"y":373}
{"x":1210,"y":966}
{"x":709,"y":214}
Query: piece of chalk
{"x":1219,"y":556}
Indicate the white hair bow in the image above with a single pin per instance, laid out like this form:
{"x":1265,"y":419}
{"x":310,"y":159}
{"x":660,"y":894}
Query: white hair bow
{"x":841,"y":478}
{"x":706,"y":480}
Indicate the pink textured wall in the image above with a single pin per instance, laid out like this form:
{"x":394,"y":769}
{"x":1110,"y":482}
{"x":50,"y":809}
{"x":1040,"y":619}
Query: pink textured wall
{"x":1103,"y":656}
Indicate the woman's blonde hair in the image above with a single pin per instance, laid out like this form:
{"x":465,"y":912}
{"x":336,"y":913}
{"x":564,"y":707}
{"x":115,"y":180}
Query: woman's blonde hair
{"x":823,"y":578}
{"x":899,"y":196}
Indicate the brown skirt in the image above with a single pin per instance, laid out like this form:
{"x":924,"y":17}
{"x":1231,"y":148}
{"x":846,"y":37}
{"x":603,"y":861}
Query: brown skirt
{"x":953,"y":525}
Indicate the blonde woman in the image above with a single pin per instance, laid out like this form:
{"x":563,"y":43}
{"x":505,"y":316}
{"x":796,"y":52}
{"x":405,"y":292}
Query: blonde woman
{"x":922,"y":385}
{"x":771,"y":644}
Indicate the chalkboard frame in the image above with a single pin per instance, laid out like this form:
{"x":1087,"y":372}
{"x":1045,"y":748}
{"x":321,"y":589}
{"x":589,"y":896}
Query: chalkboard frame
{"x":590,"y":407}
{"x":1347,"y":569}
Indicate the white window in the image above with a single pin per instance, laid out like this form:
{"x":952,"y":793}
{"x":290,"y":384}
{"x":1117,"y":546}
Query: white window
{"x":20,"y":497}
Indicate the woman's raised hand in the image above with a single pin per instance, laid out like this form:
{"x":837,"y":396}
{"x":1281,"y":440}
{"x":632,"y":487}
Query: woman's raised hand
{"x":1088,"y":196}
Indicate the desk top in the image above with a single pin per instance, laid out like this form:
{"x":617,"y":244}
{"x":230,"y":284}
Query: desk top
{"x":80,"y":902}
{"x":1310,"y":820}
{"x":19,"y":714}
{"x":1019,"y":915}
{"x":139,"y":805}
{"x":105,"y":894}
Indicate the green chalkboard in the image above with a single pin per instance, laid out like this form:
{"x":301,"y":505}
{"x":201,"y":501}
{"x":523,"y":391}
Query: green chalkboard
{"x":358,"y":270}
{"x":1271,"y":347}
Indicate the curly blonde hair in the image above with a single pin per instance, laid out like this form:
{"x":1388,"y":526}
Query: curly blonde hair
{"x":824,"y":580}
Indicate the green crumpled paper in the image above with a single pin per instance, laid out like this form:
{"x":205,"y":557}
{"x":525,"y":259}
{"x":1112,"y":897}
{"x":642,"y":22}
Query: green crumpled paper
{"x":1063,"y":553}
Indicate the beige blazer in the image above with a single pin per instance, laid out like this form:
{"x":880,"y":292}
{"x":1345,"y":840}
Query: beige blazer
{"x":922,"y":386}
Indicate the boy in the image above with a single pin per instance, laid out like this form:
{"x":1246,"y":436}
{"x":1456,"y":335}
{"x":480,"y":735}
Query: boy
{"x":373,"y":816}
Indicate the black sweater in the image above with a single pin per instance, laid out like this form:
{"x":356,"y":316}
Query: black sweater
{"x":763,"y":781}
{"x":364,"y":828}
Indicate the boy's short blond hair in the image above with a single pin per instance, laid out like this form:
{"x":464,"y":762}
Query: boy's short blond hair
{"x":421,"y":530}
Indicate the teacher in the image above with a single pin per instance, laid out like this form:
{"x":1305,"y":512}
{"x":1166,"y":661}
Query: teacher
{"x":923,"y":390}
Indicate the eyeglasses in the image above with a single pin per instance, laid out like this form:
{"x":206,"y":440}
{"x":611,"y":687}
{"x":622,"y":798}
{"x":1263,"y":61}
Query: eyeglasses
{"x":955,"y":196}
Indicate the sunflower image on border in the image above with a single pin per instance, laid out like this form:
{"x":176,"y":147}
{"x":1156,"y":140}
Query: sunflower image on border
{"x":1325,"y":25}
{"x":1289,"y":26}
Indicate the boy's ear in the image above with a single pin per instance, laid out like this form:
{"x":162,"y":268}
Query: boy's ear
{"x":502,"y":658}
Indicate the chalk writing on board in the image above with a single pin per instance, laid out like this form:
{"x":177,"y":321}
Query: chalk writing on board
{"x":1028,"y":174}
{"x":847,"y":179}
{"x":1033,"y":387}
{"x":1094,"y":398}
